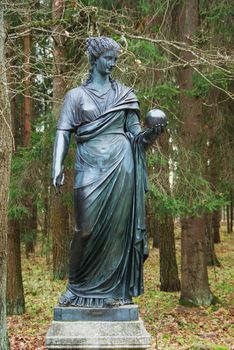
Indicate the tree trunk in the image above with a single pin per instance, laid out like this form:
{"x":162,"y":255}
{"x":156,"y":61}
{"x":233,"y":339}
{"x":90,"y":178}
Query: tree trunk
{"x":61,"y":235}
{"x":169,"y":279}
{"x":228,"y":219}
{"x":46,"y":228}
{"x":29,"y":227}
{"x":15,"y":291}
{"x":216,"y":218}
{"x":5,"y":166}
{"x":211,"y":257}
{"x":27,"y":100}
{"x":59,"y":211}
{"x":29,"y":223}
{"x":152,"y":224}
{"x":231,"y":211}
{"x":155,"y":232}
{"x":213,"y":162}
{"x":194,"y":276}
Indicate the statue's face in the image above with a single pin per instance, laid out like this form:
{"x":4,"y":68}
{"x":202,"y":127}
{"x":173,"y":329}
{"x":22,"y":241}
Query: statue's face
{"x":106,"y":62}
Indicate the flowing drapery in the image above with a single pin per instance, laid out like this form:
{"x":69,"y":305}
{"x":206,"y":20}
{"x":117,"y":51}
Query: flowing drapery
{"x":109,"y":246}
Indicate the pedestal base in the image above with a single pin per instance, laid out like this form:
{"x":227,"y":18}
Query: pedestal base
{"x":98,"y":335}
{"x":83,"y":329}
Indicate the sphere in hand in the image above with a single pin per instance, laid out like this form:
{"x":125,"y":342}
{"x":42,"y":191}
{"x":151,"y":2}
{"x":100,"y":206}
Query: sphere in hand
{"x":155,"y":117}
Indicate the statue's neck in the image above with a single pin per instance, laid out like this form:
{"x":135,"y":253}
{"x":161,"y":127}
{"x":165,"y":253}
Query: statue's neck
{"x":100,"y":81}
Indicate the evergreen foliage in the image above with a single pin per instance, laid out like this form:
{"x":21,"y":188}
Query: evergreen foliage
{"x":148,"y":66}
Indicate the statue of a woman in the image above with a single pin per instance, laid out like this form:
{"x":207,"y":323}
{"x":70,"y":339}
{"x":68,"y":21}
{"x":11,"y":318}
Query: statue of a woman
{"x":109,"y":245}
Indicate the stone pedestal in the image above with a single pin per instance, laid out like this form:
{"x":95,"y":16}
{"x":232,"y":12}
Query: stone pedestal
{"x":106,"y":328}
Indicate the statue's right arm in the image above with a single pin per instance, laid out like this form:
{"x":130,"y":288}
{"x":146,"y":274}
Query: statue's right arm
{"x":61,"y":146}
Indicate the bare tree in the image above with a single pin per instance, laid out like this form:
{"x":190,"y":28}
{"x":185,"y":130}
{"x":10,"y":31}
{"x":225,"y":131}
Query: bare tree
{"x":59,"y":210}
{"x":194,"y":277}
{"x":169,"y":278}
{"x":15,"y":290}
{"x":5,"y":165}
{"x":29,"y":224}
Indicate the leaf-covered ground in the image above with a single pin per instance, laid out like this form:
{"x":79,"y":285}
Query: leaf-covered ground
{"x":171,"y":325}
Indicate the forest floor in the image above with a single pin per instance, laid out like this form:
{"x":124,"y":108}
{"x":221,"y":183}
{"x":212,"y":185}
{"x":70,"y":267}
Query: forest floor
{"x":171,"y":325}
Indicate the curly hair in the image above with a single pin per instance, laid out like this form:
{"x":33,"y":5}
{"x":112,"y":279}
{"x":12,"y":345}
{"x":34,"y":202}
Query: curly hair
{"x":95,"y":46}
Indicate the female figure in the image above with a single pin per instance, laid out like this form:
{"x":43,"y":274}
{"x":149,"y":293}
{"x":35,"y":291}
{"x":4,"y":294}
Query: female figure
{"x":109,"y":245}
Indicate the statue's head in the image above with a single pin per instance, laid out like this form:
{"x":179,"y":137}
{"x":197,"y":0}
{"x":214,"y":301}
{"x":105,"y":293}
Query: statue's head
{"x":102,"y":53}
{"x":97,"y":46}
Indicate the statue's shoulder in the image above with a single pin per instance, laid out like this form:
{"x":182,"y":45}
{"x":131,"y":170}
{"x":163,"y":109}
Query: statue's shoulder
{"x":74,"y":93}
{"x":123,"y":89}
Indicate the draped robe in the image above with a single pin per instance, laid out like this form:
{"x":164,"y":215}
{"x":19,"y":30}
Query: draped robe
{"x":109,"y":245}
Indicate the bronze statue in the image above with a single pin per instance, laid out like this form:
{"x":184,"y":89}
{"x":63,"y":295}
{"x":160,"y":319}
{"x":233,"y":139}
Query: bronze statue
{"x":110,"y":243}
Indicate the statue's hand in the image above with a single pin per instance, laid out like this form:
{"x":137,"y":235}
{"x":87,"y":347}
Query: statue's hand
{"x":158,"y":129}
{"x":58,"y":179}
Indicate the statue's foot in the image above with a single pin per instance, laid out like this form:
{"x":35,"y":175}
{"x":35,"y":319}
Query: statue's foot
{"x":111,"y":302}
{"x":127,"y":301}
{"x":66,"y":298}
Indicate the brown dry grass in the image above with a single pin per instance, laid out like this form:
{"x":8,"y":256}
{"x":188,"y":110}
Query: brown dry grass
{"x":171,"y":325}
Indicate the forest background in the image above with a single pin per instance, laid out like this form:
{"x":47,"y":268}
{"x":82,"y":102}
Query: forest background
{"x":178,"y":56}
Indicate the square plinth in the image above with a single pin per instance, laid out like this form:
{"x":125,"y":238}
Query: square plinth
{"x":82,"y":335}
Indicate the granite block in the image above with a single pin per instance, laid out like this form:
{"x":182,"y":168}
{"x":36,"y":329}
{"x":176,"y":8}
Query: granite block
{"x":103,"y":335}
